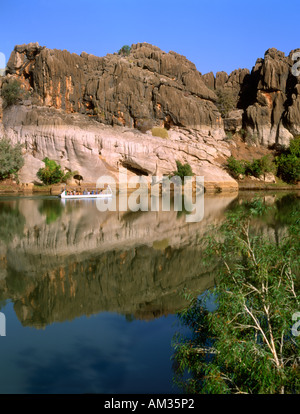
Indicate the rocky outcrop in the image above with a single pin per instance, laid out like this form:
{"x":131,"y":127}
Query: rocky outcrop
{"x":80,"y":143}
{"x":230,"y":89}
{"x":235,"y":81}
{"x":268,"y":99}
{"x":94,"y":114}
{"x":266,"y":117}
{"x":91,"y":114}
{"x":149,"y":84}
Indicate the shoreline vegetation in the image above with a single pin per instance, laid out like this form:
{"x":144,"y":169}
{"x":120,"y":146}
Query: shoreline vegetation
{"x":8,"y":189}
{"x":11,"y":187}
{"x":241,"y":336}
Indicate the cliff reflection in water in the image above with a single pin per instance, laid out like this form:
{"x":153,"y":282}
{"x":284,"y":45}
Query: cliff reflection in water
{"x":58,"y":262}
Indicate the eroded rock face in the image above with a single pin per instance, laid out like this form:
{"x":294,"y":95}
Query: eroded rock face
{"x":149,"y":84}
{"x":292,"y":115}
{"x":266,"y":117}
{"x":86,"y":112}
{"x":80,"y":143}
{"x":268,"y":97}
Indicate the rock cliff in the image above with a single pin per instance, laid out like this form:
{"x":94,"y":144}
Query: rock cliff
{"x":147,"y":85}
{"x":95,"y":114}
{"x":267,"y":98}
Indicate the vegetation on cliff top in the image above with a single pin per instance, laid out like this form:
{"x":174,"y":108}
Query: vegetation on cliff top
{"x":125,"y":50}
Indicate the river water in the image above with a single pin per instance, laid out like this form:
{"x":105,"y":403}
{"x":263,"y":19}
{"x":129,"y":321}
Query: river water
{"x":90,"y":298}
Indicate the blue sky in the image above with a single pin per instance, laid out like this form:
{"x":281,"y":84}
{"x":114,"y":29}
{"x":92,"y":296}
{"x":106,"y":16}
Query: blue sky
{"x":214,"y":34}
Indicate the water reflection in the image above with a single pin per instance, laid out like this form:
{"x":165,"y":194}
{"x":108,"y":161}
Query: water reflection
{"x":60,"y":261}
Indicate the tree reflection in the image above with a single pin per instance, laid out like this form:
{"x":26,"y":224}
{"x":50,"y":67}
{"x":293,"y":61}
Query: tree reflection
{"x":12,"y":222}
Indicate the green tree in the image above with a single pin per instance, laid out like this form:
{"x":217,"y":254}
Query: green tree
{"x":125,"y":50}
{"x":183,"y":170}
{"x":289,"y":168}
{"x":11,"y":92}
{"x":51,"y":173}
{"x":246,"y":344}
{"x":288,"y":163}
{"x":235,"y":167}
{"x":11,"y":159}
{"x":256,"y":167}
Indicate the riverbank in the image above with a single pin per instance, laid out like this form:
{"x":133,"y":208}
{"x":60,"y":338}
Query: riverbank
{"x":10,"y":187}
{"x":263,"y":186}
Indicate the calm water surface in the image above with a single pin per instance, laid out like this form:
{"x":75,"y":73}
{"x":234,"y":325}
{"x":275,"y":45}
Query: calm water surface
{"x":90,"y":298}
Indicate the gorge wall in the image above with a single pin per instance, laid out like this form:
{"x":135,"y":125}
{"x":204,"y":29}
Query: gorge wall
{"x":267,"y":98}
{"x":95,"y":114}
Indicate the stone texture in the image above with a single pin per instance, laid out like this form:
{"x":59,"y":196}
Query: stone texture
{"x":265,"y":118}
{"x":88,"y":113}
{"x":292,"y":114}
{"x":149,"y":84}
{"x":234,"y":122}
{"x":221,"y":79}
{"x":209,"y":80}
{"x":78,"y":142}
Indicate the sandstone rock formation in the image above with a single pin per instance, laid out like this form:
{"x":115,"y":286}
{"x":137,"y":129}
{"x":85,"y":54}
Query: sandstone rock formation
{"x":268,"y":98}
{"x":80,"y":143}
{"x":149,"y":84}
{"x":94,"y":114}
{"x":86,"y":113}
{"x":265,"y":118}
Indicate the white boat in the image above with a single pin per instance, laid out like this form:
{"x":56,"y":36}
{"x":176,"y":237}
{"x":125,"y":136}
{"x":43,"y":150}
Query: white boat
{"x":107,"y":193}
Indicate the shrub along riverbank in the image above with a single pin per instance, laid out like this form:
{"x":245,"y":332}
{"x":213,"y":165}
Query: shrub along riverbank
{"x":285,"y":165}
{"x":249,"y":343}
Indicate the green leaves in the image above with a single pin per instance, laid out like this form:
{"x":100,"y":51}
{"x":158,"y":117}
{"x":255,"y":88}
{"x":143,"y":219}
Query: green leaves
{"x":183,"y":170}
{"x":12,"y":92}
{"x":53,"y":174}
{"x":11,"y":159}
{"x":256,"y":168}
{"x":245,"y":345}
{"x":125,"y":50}
{"x":288,"y":163}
